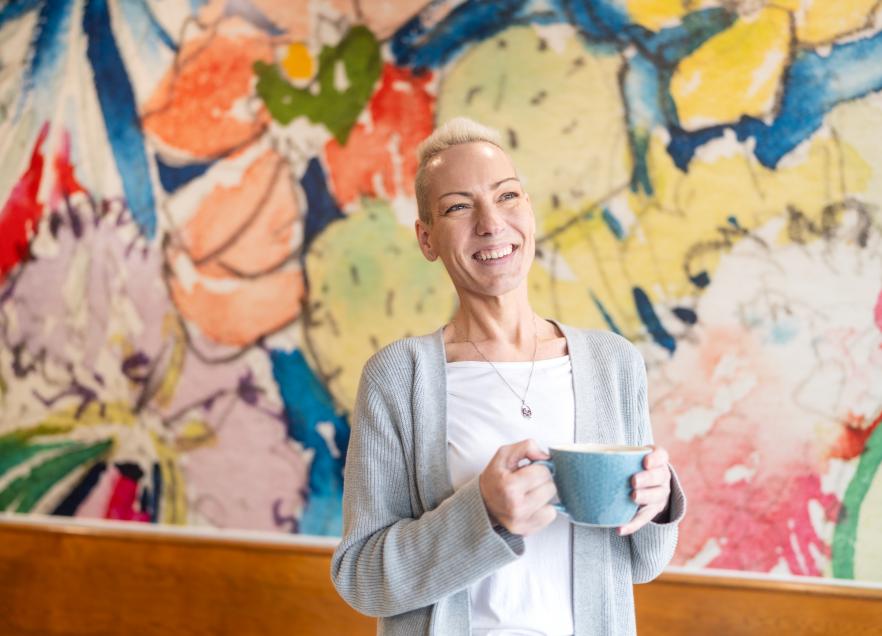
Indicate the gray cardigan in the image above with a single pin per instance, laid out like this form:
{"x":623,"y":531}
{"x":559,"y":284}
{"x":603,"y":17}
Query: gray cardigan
{"x":411,"y":546}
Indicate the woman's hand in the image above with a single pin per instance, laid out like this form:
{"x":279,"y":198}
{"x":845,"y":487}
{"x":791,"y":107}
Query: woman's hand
{"x":517,"y":498}
{"x":652,"y":490}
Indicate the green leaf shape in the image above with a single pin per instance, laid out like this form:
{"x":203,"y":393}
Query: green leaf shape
{"x":28,"y":489}
{"x":338,"y":110}
{"x":15,"y":447}
{"x":845,"y":534}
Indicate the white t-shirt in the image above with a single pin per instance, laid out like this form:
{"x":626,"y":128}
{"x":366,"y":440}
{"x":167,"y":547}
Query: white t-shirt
{"x":532,"y":595}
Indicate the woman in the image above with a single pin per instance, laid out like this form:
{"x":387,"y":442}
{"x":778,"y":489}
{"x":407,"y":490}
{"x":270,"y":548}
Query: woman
{"x":447,"y":530}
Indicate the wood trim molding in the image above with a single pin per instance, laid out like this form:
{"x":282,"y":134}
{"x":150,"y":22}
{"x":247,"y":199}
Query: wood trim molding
{"x":66,"y":579}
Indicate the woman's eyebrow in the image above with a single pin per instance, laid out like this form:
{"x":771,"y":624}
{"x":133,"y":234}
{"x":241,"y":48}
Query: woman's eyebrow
{"x":462,"y":194}
{"x":493,"y":186}
{"x":499,"y":183}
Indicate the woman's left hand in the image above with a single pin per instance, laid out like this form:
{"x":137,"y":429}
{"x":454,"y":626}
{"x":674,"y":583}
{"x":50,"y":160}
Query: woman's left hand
{"x":652,"y":490}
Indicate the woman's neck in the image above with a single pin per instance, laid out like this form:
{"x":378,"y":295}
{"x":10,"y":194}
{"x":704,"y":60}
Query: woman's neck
{"x":496,"y":328}
{"x":516,"y":331}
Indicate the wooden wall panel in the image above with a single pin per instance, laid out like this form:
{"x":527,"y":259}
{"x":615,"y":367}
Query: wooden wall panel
{"x":66,"y":581}
{"x":702,"y":605}
{"x":55,"y":583}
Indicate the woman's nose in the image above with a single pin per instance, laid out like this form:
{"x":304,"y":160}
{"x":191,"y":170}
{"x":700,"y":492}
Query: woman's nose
{"x":489,"y":219}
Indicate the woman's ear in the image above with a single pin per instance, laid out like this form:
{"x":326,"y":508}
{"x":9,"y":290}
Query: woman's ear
{"x":423,"y":234}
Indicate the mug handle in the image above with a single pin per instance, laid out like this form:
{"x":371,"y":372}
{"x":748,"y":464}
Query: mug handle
{"x":550,"y":466}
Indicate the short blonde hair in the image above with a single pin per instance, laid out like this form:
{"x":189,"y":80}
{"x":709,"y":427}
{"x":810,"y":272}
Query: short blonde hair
{"x":459,"y":130}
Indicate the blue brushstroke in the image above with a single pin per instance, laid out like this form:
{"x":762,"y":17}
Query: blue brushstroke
{"x":783,"y":332}
{"x":613,"y":224}
{"x":120,"y":112}
{"x":248,"y":12}
{"x":195,"y":5}
{"x":603,"y":22}
{"x":307,"y":403}
{"x":606,"y":316}
{"x":145,"y":503}
{"x":650,"y":320}
{"x":646,"y":85}
{"x":683,"y":144}
{"x":419,"y":46}
{"x":74,"y":499}
{"x":686,"y":315}
{"x":146,"y":29}
{"x":814,"y":85}
{"x":174,"y":177}
{"x":321,"y":207}
{"x":14,"y":10}
{"x":671,"y":44}
{"x":49,"y":46}
{"x":582,"y":15}
{"x":612,"y":14}
{"x":156,"y":500}
{"x":643,"y":114}
{"x":641,"y":88}
{"x":700,"y":280}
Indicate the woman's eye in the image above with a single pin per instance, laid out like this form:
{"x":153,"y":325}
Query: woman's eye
{"x":455,"y":207}
{"x":507,"y":196}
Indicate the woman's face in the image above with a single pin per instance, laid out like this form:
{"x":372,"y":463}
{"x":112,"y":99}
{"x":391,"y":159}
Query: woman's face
{"x":483,"y":228}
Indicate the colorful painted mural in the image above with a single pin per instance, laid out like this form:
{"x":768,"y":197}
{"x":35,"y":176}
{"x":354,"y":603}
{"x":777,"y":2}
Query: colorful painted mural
{"x":206,"y":229}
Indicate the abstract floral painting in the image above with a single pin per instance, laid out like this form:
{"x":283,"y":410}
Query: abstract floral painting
{"x":206,"y":214}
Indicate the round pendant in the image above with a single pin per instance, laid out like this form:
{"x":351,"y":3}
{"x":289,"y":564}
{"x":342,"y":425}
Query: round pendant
{"x":526,"y":412}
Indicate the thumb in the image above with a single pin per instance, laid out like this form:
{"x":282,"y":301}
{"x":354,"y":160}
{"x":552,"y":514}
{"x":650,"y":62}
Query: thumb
{"x":525,"y":449}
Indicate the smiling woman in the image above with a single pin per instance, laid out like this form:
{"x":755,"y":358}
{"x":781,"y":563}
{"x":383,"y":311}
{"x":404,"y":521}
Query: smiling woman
{"x":483,"y":229}
{"x":472,"y":544}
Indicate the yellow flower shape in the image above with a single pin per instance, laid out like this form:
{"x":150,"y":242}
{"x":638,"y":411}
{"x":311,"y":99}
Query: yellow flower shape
{"x":822,"y":21}
{"x":738,"y":72}
{"x":658,"y":14}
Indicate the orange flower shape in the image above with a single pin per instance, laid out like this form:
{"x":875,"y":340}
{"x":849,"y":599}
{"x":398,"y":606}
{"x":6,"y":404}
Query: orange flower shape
{"x":233,"y":269}
{"x":202,"y":104}
{"x":380,"y":160}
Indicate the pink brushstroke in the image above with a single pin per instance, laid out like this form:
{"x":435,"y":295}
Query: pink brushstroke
{"x":750,"y":482}
{"x":97,"y":503}
{"x":878,"y":312}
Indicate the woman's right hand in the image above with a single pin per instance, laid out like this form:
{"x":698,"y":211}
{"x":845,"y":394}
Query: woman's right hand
{"x":518,"y":498}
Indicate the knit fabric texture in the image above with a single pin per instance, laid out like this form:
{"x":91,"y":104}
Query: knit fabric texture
{"x":411,"y":546}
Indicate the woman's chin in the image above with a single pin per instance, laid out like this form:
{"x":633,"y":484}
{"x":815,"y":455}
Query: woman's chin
{"x":501,"y":284}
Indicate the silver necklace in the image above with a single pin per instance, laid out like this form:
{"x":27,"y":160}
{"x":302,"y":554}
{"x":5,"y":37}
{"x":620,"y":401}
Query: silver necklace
{"x":526,"y":411}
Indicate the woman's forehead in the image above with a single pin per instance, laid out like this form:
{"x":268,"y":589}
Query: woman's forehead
{"x":470,"y":164}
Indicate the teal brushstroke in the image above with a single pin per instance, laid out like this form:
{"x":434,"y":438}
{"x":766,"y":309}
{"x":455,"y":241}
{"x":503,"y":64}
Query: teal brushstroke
{"x":308,"y":404}
{"x":611,"y":323}
{"x":613,"y":224}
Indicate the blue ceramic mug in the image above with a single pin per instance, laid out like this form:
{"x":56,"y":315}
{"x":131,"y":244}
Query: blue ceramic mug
{"x":594,"y":482}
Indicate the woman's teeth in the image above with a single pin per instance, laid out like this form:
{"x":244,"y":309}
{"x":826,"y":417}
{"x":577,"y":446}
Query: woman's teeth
{"x":489,"y":255}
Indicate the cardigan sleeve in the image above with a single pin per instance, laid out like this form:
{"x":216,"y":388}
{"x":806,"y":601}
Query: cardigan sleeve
{"x":390,"y":561}
{"x":652,"y":547}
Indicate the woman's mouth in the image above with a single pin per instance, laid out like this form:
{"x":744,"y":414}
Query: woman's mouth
{"x":495,"y":254}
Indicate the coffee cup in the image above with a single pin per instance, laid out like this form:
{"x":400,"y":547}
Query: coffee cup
{"x":594,"y":482}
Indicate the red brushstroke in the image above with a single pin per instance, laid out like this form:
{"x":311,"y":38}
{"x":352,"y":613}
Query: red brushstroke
{"x":67,"y":183}
{"x":853,"y":439}
{"x":401,"y":117}
{"x":21,"y":212}
{"x":122,"y":501}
